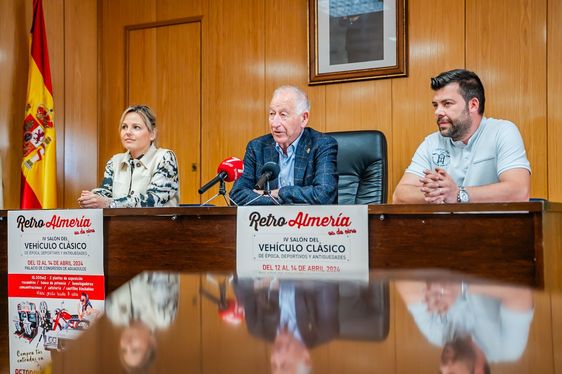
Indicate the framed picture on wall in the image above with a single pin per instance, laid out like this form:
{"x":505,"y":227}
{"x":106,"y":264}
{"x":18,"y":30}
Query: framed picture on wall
{"x":356,"y":39}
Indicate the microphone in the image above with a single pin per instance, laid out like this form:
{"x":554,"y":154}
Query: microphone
{"x":268,"y":172}
{"x":230,"y":169}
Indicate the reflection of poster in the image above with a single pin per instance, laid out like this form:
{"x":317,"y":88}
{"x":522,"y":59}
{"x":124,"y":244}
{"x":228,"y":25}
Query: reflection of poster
{"x":55,"y":281}
{"x":303,"y":241}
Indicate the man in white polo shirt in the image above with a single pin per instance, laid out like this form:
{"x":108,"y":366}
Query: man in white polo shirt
{"x":471,"y":158}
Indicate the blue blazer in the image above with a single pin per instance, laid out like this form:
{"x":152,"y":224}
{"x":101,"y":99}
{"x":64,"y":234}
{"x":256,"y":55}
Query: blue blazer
{"x":315,"y":178}
{"x":316,"y":308}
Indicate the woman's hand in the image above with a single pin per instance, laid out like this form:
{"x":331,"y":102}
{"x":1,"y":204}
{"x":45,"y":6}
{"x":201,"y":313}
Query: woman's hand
{"x":88,"y":199}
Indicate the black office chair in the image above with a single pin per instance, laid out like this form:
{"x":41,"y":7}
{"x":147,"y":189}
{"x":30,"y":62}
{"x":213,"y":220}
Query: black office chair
{"x":362,"y":167}
{"x":364,"y":311}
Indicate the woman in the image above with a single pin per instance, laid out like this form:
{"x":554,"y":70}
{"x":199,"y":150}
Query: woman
{"x":85,"y":308}
{"x":144,"y":176}
{"x":139,"y":310}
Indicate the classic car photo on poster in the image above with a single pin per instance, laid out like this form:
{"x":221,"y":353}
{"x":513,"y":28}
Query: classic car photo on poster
{"x":356,"y":39}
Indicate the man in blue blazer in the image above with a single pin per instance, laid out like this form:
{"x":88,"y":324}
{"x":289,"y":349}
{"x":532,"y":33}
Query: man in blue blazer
{"x":306,"y":158}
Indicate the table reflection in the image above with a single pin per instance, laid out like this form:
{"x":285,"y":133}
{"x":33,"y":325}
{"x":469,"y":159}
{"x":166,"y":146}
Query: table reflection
{"x":474,"y":324}
{"x":299,"y":315}
{"x":218,"y":323}
{"x":147,"y":303}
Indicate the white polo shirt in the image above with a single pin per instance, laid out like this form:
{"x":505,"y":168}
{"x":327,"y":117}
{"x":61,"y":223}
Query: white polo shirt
{"x":495,"y":147}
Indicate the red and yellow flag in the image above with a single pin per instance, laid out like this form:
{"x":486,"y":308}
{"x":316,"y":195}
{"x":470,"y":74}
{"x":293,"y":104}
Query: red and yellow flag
{"x":39,"y":166}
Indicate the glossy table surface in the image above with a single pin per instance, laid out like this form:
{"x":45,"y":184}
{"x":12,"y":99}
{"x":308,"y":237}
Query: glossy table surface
{"x":398,"y":322}
{"x":513,"y":242}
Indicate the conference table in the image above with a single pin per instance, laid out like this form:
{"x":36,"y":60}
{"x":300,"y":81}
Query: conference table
{"x":518,"y":243}
{"x":216,"y":323}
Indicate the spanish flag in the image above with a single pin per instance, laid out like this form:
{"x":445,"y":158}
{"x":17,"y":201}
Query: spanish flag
{"x":39,"y":166}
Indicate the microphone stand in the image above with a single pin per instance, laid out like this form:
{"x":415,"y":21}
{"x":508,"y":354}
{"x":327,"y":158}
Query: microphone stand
{"x":266,"y":192}
{"x":222,"y":191}
{"x":221,"y":301}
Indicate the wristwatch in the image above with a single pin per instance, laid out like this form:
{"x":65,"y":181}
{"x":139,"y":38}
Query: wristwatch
{"x":463,"y":196}
{"x":464,"y":290}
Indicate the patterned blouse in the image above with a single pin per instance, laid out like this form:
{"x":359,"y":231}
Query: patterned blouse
{"x":149,"y":181}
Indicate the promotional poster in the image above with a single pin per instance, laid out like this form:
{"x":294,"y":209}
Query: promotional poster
{"x":303,"y":241}
{"x":55,"y":281}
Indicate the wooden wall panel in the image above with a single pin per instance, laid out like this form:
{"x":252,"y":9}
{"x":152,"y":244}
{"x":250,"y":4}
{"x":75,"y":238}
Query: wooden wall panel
{"x":554,"y":98}
{"x":115,"y":15}
{"x":362,"y":106}
{"x":141,"y":69}
{"x":162,"y":68}
{"x":172,"y":9}
{"x":179,"y":101}
{"x":233,"y":82}
{"x":359,"y":106}
{"x":6,"y":66}
{"x":250,"y":47}
{"x":513,"y":70}
{"x":81,"y":100}
{"x":436,"y":40}
{"x":168,"y":57}
{"x":286,"y":57}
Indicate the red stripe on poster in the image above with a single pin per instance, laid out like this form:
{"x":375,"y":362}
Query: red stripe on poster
{"x":56,"y":286}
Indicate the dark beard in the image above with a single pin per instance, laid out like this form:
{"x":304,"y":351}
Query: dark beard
{"x":459,"y":127}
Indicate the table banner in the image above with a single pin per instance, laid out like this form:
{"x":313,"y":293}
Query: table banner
{"x":55,"y":281}
{"x":303,"y":241}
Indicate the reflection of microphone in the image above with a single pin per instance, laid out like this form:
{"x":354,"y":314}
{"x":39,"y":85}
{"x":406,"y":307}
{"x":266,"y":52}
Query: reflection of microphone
{"x":268,"y":172}
{"x":232,"y":313}
{"x":229,"y":170}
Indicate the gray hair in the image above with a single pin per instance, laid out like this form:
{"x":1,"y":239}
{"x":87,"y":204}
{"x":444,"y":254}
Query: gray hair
{"x":302,"y":103}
